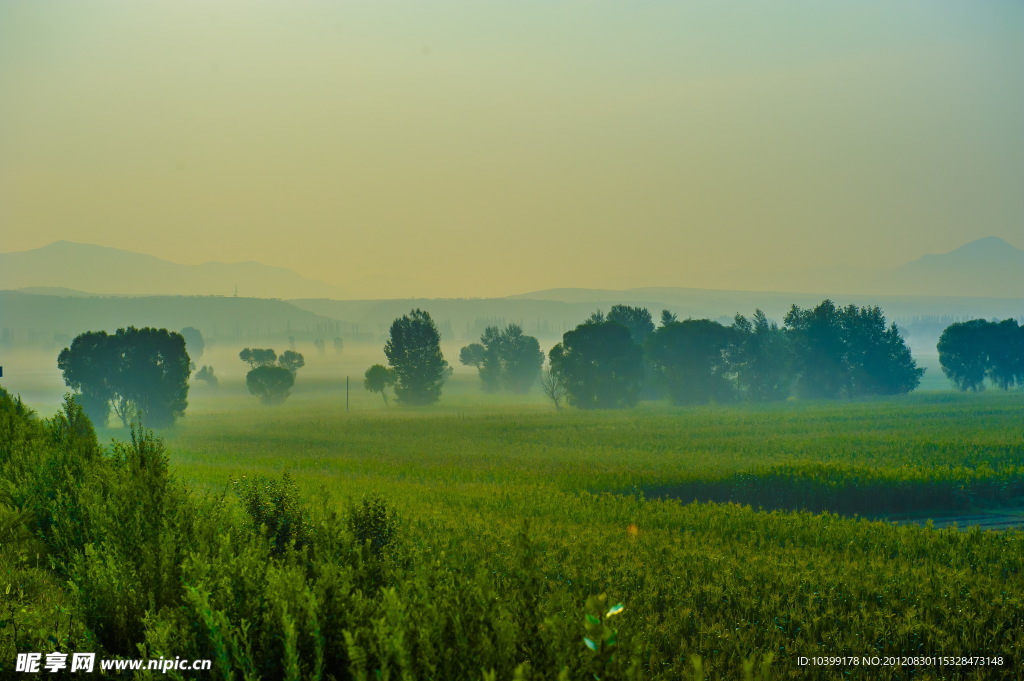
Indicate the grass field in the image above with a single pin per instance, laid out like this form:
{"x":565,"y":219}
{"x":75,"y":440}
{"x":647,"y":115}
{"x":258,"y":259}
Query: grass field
{"x":514,"y":515}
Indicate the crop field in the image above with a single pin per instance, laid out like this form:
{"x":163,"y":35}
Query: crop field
{"x":602,"y":504}
{"x":516,"y":528}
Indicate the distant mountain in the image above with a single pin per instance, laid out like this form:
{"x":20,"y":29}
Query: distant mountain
{"x":52,"y":320}
{"x":112,"y":271}
{"x":986,"y":267}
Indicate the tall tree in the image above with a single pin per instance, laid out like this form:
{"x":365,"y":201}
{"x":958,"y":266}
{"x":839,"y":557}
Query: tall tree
{"x":688,"y":357}
{"x":599,"y":365}
{"x":849,"y":352}
{"x":414,"y":352}
{"x":258,"y":357}
{"x":819,"y":351}
{"x":760,"y":357}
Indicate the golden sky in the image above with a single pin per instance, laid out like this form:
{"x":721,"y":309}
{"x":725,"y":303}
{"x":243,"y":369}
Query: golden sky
{"x":490,"y":148}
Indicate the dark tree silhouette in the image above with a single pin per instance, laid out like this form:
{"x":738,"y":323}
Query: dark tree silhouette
{"x":636,"y":319}
{"x":414,"y":352}
{"x":819,"y":351}
{"x":270,"y":383}
{"x":257,"y":357}
{"x":378,"y":378}
{"x":599,"y":365}
{"x":291,"y":360}
{"x":849,"y":352}
{"x":140,"y":372}
{"x":688,"y":358}
{"x":761,"y":359}
{"x":90,"y":366}
{"x":971,"y":351}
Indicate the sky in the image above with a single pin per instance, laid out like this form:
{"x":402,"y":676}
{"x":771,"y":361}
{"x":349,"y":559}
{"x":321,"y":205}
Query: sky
{"x":478,"y":149}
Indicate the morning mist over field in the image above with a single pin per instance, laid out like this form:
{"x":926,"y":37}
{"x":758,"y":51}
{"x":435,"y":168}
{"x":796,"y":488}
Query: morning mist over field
{"x":459,"y":149}
{"x":511,"y":341}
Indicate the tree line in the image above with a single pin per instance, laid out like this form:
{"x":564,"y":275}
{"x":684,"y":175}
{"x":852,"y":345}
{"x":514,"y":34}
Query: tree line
{"x":611,"y":360}
{"x":614,"y":360}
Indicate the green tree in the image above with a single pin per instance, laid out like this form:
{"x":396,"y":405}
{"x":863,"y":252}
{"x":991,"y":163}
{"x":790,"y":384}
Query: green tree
{"x":849,"y":352}
{"x":90,"y":366}
{"x":819,"y":351}
{"x":258,"y":357}
{"x":414,"y":352}
{"x":964,"y":353}
{"x":136,"y":371}
{"x":1005,"y":341}
{"x":521,"y":359}
{"x":760,"y":357}
{"x":270,"y":383}
{"x":291,"y":360}
{"x":636,"y":319}
{"x":688,"y":357}
{"x":598,"y":365}
{"x":378,"y":378}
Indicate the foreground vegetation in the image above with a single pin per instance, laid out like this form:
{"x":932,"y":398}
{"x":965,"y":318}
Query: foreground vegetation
{"x":502,"y":527}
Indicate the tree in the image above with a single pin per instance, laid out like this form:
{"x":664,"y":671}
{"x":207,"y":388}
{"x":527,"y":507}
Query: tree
{"x":414,"y":352}
{"x":140,"y":372}
{"x":688,"y":358}
{"x":90,"y":366}
{"x":378,"y":378}
{"x":668,"y":317}
{"x":849,"y":352}
{"x":291,"y":360}
{"x":194,"y":343}
{"x":270,"y":383}
{"x":760,"y":358}
{"x":636,"y":319}
{"x":819,"y":350}
{"x":599,"y":366}
{"x":506,"y":359}
{"x":878,"y":360}
{"x":258,"y":357}
{"x":521,"y":359}
{"x":266,"y":379}
{"x":1005,"y":353}
{"x":338,"y":346}
{"x":971,"y":351}
{"x":553,"y":388}
{"x":205,"y":373}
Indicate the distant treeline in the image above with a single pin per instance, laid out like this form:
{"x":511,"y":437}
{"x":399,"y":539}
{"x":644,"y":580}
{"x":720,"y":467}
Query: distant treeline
{"x":615,"y":360}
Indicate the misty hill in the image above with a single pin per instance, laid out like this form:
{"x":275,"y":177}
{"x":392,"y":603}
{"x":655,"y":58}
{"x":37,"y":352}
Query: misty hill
{"x":988,"y":267}
{"x":112,"y":271}
{"x":46,"y":321}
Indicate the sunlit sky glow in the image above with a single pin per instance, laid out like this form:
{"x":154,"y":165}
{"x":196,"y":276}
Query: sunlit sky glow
{"x":474,"y":149}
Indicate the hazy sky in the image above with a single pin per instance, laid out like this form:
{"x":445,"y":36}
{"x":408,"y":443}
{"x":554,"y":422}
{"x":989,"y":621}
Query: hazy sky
{"x":488,"y":148}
